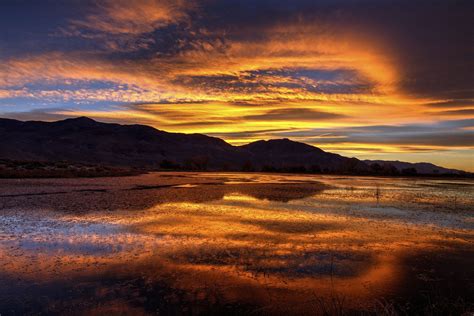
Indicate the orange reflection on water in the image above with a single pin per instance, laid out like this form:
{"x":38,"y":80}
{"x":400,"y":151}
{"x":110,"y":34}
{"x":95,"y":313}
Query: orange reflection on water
{"x":298,"y":249}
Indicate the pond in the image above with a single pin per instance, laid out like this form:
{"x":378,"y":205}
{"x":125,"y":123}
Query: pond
{"x":236,"y":243}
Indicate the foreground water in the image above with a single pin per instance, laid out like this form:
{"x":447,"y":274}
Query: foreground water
{"x":189,"y":243}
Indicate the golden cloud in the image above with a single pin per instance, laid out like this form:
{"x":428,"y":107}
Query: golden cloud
{"x":134,"y":17}
{"x":218,"y":81}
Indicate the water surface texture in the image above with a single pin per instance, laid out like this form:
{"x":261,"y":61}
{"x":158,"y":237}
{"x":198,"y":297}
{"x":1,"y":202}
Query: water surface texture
{"x":232,"y":243}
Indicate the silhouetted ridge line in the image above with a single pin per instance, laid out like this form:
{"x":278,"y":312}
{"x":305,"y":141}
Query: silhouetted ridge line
{"x":84,"y":140}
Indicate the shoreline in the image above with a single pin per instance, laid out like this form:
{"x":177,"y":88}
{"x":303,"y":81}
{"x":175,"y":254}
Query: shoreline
{"x":97,"y":171}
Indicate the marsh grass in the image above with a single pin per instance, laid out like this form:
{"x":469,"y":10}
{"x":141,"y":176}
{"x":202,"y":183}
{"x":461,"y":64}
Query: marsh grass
{"x":10,"y":169}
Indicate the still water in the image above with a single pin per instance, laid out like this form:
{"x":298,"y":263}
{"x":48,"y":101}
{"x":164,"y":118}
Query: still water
{"x":234,"y":243}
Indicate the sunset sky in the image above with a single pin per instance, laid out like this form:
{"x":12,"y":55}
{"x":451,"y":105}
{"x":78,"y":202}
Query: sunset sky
{"x":373,"y":79}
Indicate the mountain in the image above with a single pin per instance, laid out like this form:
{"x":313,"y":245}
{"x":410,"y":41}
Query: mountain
{"x":295,"y":156}
{"x":407,"y":167}
{"x":83,"y":140}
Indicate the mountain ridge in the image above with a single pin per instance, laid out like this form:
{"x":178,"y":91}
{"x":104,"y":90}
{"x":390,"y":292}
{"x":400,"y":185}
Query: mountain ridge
{"x":84,"y":140}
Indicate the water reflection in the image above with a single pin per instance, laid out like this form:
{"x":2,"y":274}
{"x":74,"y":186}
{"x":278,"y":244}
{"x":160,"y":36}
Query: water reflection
{"x":141,"y":197}
{"x":227,"y":243}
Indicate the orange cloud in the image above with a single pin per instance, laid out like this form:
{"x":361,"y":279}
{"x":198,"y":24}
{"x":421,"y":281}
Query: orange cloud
{"x":250,"y":66}
{"x":134,"y":17}
{"x":218,"y":80}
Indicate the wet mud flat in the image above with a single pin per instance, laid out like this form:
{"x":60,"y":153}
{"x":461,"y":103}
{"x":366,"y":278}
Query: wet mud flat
{"x":236,"y":243}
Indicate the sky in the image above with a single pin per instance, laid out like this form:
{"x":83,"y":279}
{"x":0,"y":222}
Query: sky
{"x":374,"y":79}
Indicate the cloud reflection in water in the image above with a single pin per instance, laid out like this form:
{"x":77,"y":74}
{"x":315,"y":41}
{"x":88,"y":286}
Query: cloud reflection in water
{"x":247,"y":246}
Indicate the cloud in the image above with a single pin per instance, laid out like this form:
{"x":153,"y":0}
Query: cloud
{"x":294,"y":114}
{"x":451,"y":103}
{"x":133,"y":17}
{"x":443,"y":134}
{"x":460,"y":113}
{"x":46,"y":114}
{"x":384,"y":76}
{"x":290,"y":59}
{"x":121,"y":26}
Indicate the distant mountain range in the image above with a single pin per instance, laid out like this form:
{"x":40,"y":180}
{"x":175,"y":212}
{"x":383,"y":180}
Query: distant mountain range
{"x":83,"y":140}
{"x":420,"y":167}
